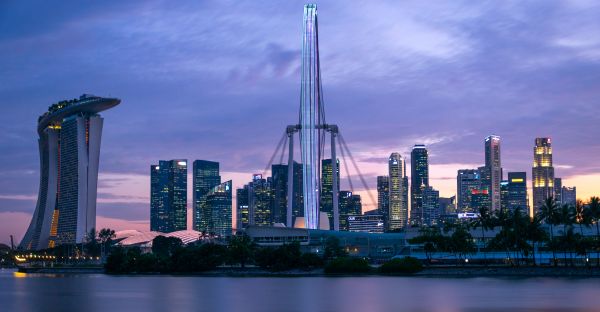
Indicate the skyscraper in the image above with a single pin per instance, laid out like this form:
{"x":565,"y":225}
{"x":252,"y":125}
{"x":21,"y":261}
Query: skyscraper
{"x":205,"y":176}
{"x":327,"y":188}
{"x":558,"y":191}
{"x":383,"y":197}
{"x":504,"y":195}
{"x":430,"y":205}
{"x":279,"y":191}
{"x":419,"y":180}
{"x":168,"y":191}
{"x":517,"y":191}
{"x":467,"y":180}
{"x":350,"y":204}
{"x":398,"y":210}
{"x":494,"y":169}
{"x":69,"y":146}
{"x":260,"y":200}
{"x":218,"y":206}
{"x":569,"y":195}
{"x":242,"y":207}
{"x":542,"y":172}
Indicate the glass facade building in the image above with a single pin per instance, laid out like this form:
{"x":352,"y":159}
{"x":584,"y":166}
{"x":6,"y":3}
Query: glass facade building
{"x":419,"y":180}
{"x":350,"y":204}
{"x":218,"y":205}
{"x":69,"y":147}
{"x":205,"y":176}
{"x":383,"y":197}
{"x":517,"y":191}
{"x":467,"y":180}
{"x":542,"y":172}
{"x":398,"y":210}
{"x":327,"y":189}
{"x":168,"y":196}
{"x":493,"y":167}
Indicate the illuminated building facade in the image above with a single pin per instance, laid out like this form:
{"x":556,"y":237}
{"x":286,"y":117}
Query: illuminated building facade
{"x":69,"y":145}
{"x":218,"y":209}
{"x":517,"y":192}
{"x":569,"y":195}
{"x":383,"y":196}
{"x":260,"y":198}
{"x":205,"y":176}
{"x":242,"y":207}
{"x":327,"y":189}
{"x":430,"y":205}
{"x":493,"y":168}
{"x":312,"y":117}
{"x":168,"y":196}
{"x":467,"y":180}
{"x":419,"y":180}
{"x":350,"y":204}
{"x":398,"y":210}
{"x":558,"y":191}
{"x":542,"y":172}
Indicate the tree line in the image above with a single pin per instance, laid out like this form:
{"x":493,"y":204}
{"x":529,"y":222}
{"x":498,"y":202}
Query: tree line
{"x":558,"y":229}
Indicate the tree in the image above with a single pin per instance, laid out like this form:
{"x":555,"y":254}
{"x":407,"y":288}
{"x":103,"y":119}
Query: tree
{"x":333,"y":249}
{"x":165,"y":247}
{"x":548,"y":213}
{"x":241,"y":249}
{"x":432,"y":240}
{"x":535,"y":234}
{"x":460,"y":243}
{"x":594,"y":211}
{"x":485,"y":222}
{"x":105,"y":236}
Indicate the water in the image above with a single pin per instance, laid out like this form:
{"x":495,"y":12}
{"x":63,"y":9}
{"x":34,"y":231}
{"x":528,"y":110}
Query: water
{"x":27,"y":292}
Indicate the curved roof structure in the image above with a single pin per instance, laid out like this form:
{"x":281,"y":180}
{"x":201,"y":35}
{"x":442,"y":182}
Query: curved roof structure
{"x":134,"y":237}
{"x":85,"y":104}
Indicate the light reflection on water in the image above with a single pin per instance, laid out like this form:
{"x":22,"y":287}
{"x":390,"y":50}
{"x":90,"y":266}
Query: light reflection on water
{"x":27,"y":292}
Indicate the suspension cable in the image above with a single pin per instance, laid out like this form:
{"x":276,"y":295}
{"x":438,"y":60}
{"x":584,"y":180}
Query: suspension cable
{"x":279,"y":145}
{"x":346,"y":167}
{"x":362,"y":178}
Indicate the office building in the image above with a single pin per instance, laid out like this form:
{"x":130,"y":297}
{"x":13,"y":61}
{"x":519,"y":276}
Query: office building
{"x":480,"y":198}
{"x":493,"y":170}
{"x":218,"y":208}
{"x":383,"y":197}
{"x":448,"y":205}
{"x":398,"y":210}
{"x":168,"y":196}
{"x":350,"y":204}
{"x":467,"y":180}
{"x":327,"y":189}
{"x":430,"y":205}
{"x":367,"y":223}
{"x":517,"y":191}
{"x":69,"y":147}
{"x":504,"y":195}
{"x":569,"y":195}
{"x":205,"y":176}
{"x":419,"y":180}
{"x":260,"y":199}
{"x":558,"y":191}
{"x":542,"y":172}
{"x":242,"y":207}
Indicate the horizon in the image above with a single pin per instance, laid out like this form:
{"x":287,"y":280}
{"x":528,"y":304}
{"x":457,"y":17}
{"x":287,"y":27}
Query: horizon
{"x":223,"y":88}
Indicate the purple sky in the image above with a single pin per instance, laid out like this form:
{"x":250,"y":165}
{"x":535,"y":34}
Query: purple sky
{"x":220,"y":81}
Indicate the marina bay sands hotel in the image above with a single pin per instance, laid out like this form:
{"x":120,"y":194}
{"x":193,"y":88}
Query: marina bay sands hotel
{"x":69,"y":143}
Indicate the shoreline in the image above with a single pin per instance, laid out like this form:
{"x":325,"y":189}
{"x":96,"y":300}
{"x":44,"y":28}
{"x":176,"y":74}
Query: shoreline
{"x":433,"y":272}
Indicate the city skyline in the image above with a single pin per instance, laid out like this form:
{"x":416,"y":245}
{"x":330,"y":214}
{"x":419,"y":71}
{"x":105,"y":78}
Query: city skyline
{"x":128,"y":148}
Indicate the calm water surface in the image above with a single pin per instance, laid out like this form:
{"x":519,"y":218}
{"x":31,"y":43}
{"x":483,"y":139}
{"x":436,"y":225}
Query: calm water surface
{"x":31,"y":292}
